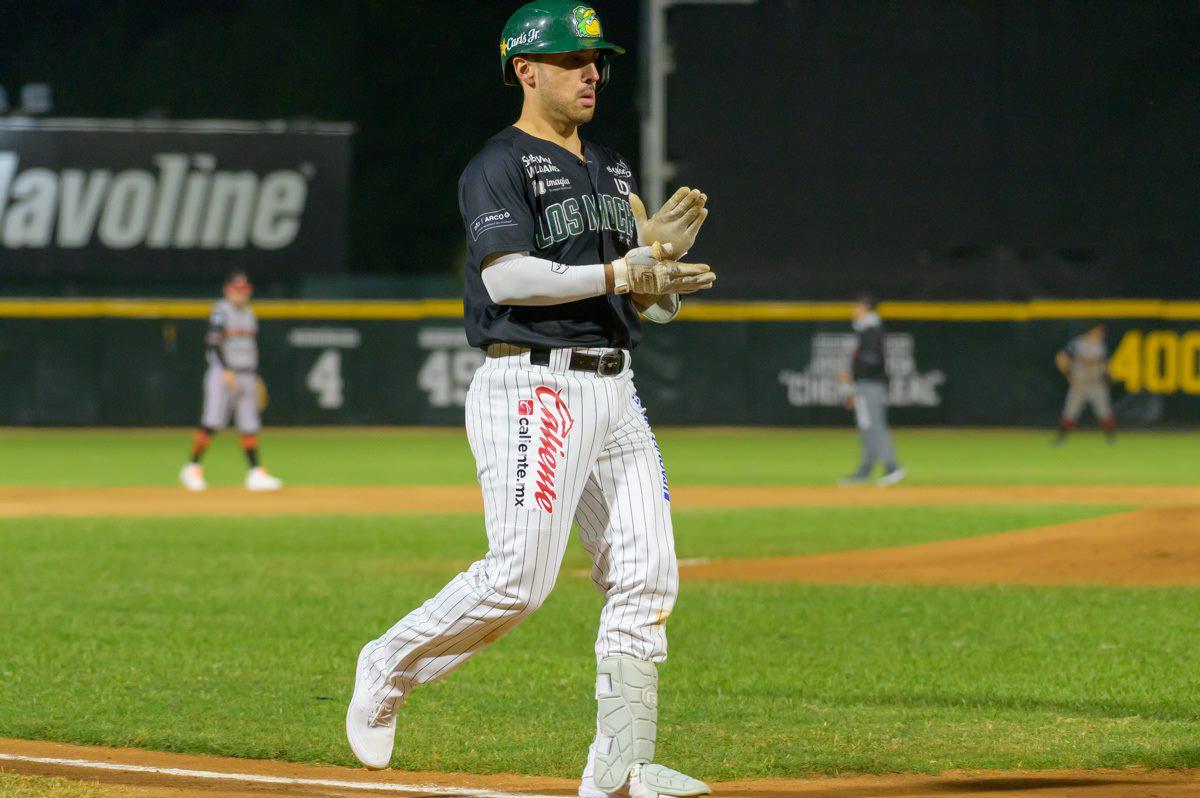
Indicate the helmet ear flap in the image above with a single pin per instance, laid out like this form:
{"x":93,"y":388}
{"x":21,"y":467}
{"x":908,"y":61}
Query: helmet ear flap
{"x":604,"y":64}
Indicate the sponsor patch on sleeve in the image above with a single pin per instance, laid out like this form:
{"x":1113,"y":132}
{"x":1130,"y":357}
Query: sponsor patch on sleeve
{"x":492,"y":220}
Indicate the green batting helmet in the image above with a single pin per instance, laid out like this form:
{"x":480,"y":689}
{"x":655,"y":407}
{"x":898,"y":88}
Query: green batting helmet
{"x":554,"y":26}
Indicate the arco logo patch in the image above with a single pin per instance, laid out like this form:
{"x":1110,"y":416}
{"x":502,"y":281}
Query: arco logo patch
{"x":586,"y":22}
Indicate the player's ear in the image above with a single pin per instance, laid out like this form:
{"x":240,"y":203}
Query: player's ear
{"x":526,"y":71}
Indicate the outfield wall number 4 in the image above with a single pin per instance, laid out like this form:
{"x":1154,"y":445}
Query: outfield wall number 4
{"x":325,"y":380}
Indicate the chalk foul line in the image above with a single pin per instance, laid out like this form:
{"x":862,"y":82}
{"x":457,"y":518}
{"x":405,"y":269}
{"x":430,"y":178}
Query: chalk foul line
{"x":252,"y":778}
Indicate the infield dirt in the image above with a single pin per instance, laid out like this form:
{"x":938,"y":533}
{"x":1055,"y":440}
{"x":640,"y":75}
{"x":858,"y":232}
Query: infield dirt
{"x":1151,"y":546}
{"x":1158,"y":544}
{"x":169,"y":781}
{"x":21,"y":502}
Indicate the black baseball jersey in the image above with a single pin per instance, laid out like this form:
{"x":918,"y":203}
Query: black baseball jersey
{"x":525,"y":194}
{"x":870,"y":358}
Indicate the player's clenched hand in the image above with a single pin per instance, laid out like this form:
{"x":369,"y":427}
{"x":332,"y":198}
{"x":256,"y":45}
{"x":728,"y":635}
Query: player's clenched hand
{"x":685,"y":284}
{"x":677,"y":223}
{"x":640,"y":272}
{"x":230,"y":379}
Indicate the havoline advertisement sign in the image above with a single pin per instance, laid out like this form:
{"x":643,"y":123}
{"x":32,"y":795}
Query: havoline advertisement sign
{"x":112,"y":199}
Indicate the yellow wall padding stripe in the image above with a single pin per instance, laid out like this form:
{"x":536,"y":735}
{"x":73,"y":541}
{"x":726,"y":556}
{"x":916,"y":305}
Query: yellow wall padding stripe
{"x":947,"y":311}
{"x":349,"y":310}
{"x":313,"y":310}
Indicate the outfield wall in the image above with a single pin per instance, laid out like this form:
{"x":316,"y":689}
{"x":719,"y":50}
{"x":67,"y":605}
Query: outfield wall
{"x":140,"y":362}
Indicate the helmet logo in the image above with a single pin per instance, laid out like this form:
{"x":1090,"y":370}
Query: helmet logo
{"x":513,"y":42}
{"x":586,"y":22}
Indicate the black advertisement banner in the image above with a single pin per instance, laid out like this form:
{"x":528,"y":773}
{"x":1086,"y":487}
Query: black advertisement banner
{"x":108,"y":199}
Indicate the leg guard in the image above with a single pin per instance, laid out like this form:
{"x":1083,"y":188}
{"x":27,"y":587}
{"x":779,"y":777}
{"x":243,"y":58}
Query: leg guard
{"x":626,"y":718}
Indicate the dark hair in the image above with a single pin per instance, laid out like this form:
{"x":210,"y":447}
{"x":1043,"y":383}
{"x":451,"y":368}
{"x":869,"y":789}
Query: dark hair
{"x":236,"y":275}
{"x":866,"y":299}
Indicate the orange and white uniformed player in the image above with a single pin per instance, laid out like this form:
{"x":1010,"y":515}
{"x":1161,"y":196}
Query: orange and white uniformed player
{"x":231,"y":385}
{"x":1084,"y":362}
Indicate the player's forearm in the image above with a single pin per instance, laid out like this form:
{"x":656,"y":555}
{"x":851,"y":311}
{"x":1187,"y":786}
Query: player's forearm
{"x":214,"y":354}
{"x":213,"y":339}
{"x":525,"y":280}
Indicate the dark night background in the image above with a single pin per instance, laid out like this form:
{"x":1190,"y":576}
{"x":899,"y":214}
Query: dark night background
{"x":1007,"y":148}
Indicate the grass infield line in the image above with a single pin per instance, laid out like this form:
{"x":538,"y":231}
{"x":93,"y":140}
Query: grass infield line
{"x":250,"y":778}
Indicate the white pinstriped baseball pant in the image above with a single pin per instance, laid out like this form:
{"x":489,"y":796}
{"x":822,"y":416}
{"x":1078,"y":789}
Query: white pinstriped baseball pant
{"x":551,"y":446}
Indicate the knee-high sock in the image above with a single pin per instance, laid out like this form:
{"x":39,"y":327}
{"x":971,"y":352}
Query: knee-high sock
{"x":250,"y":446}
{"x":200,"y":442}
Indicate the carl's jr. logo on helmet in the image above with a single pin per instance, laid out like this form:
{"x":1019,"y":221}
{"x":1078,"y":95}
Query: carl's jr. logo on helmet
{"x":586,"y":22}
{"x":528,"y":37}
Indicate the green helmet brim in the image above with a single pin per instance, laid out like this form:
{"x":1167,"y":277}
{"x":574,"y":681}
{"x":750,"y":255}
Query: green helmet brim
{"x":546,"y":48}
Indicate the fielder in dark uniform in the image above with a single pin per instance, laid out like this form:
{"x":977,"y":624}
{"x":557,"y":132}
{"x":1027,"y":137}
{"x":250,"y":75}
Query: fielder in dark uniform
{"x":866,"y":387}
{"x":562,"y":261}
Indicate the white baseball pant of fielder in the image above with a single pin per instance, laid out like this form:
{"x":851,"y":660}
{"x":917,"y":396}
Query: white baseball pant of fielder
{"x":221,"y":402}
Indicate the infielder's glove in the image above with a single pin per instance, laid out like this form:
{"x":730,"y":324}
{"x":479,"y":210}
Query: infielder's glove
{"x":676,"y":223}
{"x":658,"y":309}
{"x":260,"y":388}
{"x":649,"y":270}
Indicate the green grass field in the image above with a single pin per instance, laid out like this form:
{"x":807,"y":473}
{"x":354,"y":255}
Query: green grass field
{"x":705,"y":457}
{"x":12,"y":786}
{"x":237,"y":636}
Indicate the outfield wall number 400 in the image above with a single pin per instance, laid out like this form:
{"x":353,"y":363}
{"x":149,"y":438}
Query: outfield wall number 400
{"x":1160,"y":361}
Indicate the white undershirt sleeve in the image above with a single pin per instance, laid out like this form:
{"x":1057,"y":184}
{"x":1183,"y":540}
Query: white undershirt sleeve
{"x":521,"y":279}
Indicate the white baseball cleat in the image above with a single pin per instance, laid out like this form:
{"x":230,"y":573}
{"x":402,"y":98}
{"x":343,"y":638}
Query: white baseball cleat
{"x":370,"y":723}
{"x":192,"y":477}
{"x":645,"y":781}
{"x":259,"y":479}
{"x":588,"y":788}
{"x":891,"y":477}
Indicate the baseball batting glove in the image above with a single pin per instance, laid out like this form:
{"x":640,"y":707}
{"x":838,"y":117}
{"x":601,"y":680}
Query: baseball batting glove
{"x":677,"y":222}
{"x":649,"y":270}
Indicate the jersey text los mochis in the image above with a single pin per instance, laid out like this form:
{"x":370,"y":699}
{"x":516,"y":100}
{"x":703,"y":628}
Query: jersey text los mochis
{"x":570,"y":217}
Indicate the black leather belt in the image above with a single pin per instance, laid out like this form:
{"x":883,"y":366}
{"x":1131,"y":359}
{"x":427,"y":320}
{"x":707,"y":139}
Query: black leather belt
{"x":609,"y":364}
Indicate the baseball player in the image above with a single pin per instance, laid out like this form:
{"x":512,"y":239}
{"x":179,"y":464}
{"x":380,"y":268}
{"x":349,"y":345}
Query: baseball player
{"x":865,"y":388}
{"x":231,"y":385}
{"x":1084,"y":362}
{"x":561,"y":259}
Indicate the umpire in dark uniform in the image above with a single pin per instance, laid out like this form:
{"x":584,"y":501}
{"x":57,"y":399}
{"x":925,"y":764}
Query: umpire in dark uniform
{"x":866,"y":389}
